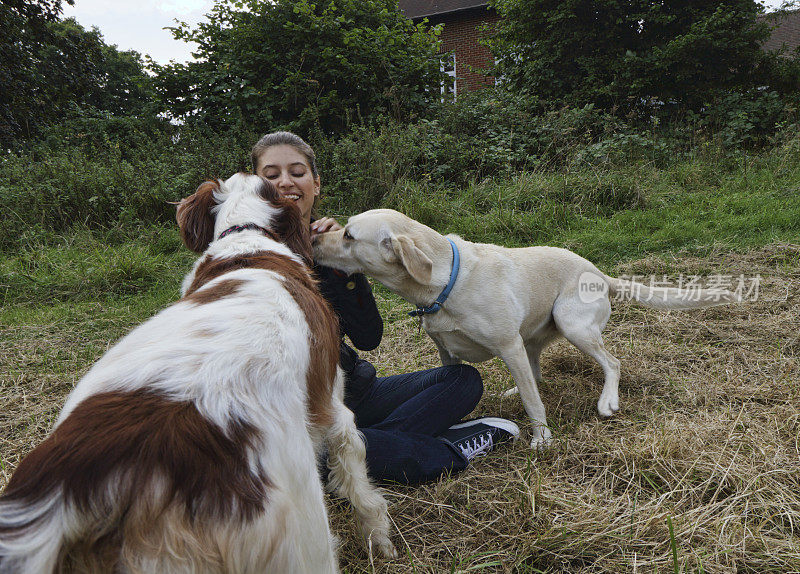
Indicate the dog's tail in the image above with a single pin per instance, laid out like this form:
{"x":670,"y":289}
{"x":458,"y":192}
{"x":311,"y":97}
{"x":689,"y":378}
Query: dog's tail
{"x":686,"y":297}
{"x":32,"y":532}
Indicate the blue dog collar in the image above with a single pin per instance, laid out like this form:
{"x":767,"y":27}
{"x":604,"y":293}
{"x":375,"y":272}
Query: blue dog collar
{"x":433,"y":308}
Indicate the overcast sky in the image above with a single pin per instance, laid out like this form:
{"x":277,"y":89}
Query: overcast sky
{"x":139,"y":24}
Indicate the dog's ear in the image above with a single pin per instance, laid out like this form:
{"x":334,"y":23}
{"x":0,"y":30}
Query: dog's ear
{"x":289,"y":224}
{"x":269,"y":193}
{"x":418,"y":265}
{"x":387,"y":250}
{"x":195,"y":218}
{"x":295,"y":233}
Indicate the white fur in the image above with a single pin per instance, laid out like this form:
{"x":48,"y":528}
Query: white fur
{"x":507,"y":303}
{"x":242,"y":357}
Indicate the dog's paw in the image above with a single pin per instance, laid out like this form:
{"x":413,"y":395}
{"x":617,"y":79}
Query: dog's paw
{"x":510,"y":392}
{"x":542,"y":437}
{"x":383,"y":545}
{"x":608,"y":406}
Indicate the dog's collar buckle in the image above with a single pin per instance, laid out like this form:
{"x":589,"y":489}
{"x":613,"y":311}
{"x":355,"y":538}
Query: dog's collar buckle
{"x":436,"y":305}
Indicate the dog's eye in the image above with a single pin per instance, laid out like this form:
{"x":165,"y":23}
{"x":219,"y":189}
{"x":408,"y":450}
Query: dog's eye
{"x":347,"y":235}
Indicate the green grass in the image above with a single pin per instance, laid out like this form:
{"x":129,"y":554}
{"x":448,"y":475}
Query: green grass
{"x":87,"y":265}
{"x":108,"y":280}
{"x":622,"y":213}
{"x":123,"y":275}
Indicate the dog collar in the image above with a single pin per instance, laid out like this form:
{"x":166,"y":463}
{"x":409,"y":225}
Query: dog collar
{"x":248,"y":226}
{"x":431,"y":309}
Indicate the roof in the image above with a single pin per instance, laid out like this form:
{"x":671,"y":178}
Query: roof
{"x":786,"y":30}
{"x":420,"y":8}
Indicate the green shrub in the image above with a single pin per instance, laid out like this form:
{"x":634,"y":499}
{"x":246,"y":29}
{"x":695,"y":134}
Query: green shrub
{"x":105,"y":172}
{"x":486,"y":134}
{"x":302,"y":64}
{"x":489,"y":151}
{"x":513,"y":131}
{"x":85,"y":265}
{"x":636,"y":58}
{"x":741,"y":120}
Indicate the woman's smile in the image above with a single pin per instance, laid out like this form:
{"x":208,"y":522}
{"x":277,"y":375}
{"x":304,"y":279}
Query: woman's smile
{"x":289,"y":171}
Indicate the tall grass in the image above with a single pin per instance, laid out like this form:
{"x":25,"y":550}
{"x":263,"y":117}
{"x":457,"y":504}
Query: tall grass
{"x":523,"y":177}
{"x":607,"y":214}
{"x":616,"y":212}
{"x":99,"y":175}
{"x":88,"y":265}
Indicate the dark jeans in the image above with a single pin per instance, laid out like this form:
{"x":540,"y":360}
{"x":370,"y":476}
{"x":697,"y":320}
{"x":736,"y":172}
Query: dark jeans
{"x":401,"y":416}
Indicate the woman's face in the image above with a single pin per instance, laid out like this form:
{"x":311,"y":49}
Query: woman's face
{"x":289,"y":171}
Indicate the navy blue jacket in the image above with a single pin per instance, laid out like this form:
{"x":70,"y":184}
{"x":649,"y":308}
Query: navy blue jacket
{"x":359,"y":319}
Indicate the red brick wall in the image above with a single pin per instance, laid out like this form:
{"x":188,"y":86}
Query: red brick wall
{"x":461,"y":33}
{"x":786,"y":31}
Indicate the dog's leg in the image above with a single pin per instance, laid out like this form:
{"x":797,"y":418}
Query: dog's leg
{"x":591,"y":343}
{"x":584,"y":330}
{"x":516,"y":359}
{"x":445,"y":356}
{"x":348,"y":478}
{"x":534,"y":350}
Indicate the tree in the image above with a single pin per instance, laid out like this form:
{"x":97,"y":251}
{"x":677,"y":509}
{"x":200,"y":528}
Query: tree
{"x":51,"y":68}
{"x":631,"y":55}
{"x":84,"y":72}
{"x":23,"y":27}
{"x":297,"y":64}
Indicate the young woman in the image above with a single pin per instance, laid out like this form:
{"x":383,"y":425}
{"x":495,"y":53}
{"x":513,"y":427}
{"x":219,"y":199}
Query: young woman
{"x":410,"y":422}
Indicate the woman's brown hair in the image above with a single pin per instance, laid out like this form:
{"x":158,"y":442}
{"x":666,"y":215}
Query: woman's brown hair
{"x":284,"y":138}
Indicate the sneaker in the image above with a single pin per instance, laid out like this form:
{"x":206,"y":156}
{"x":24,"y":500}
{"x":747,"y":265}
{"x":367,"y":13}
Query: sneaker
{"x":479,"y":436}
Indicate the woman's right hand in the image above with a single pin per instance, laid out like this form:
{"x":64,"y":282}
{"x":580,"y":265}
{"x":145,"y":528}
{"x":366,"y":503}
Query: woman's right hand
{"x":324,"y":224}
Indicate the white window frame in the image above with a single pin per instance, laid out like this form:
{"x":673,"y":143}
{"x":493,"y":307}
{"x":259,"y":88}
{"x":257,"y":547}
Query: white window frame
{"x":451,"y":86}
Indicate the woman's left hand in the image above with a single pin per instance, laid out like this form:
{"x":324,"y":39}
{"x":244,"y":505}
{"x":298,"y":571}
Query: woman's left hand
{"x":324,"y":224}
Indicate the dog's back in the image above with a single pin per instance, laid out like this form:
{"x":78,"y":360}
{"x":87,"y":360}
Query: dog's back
{"x":186,"y":447}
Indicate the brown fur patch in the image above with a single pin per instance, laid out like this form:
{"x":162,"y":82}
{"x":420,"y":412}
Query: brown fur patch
{"x":289,"y":225}
{"x":324,"y":346}
{"x":210,"y":268}
{"x":321,"y":319}
{"x":139,"y":546}
{"x":194,"y":217}
{"x":204,"y":333}
{"x":220,"y":290}
{"x":117,"y":449}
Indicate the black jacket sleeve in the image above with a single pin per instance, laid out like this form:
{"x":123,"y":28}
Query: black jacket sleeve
{"x":352,"y":300}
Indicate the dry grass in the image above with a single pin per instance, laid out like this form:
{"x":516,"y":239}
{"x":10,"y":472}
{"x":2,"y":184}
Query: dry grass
{"x":707,"y":439}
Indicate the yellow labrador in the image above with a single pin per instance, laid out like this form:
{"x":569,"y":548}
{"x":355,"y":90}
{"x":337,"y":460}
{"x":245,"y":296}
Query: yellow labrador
{"x":504,"y":302}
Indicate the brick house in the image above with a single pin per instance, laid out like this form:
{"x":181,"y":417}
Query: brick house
{"x":462,"y":20}
{"x":460,"y":33}
{"x":785,"y":32}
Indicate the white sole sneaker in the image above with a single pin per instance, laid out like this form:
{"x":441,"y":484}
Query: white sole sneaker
{"x":507,"y":425}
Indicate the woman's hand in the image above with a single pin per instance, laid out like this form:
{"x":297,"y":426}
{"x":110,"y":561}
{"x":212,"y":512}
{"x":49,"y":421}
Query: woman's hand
{"x":324,"y":224}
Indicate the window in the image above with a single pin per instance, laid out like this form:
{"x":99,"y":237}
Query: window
{"x":448,"y":66}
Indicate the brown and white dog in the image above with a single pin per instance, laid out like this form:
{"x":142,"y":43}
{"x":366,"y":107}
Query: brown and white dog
{"x":191,"y":445}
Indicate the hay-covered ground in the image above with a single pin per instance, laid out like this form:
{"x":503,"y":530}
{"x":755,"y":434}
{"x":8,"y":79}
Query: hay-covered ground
{"x":698,"y":472}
